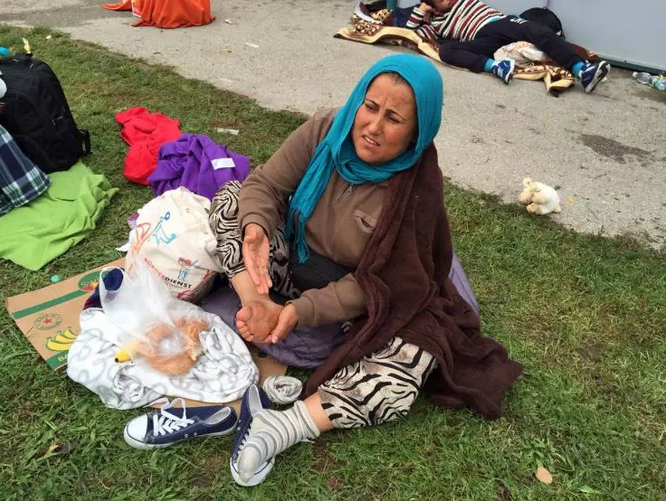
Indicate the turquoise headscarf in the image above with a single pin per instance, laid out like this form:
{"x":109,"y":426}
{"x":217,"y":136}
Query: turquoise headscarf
{"x":337,"y":150}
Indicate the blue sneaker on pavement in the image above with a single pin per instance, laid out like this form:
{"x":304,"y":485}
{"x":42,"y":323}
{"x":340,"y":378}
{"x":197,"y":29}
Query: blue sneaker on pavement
{"x":168,"y":425}
{"x":504,"y":70}
{"x":592,"y":74}
{"x":254,"y":401}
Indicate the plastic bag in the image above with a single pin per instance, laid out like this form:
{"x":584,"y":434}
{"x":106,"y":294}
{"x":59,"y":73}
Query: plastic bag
{"x":157,"y":329}
{"x":173,"y":237}
{"x":524,"y":54}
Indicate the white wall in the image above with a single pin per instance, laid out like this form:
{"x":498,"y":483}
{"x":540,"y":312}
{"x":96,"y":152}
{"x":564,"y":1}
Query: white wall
{"x":632,"y":31}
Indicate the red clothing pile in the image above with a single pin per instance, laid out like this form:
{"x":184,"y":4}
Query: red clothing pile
{"x":145,"y":132}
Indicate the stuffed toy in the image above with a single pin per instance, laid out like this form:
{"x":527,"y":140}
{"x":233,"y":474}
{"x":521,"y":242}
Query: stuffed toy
{"x":540,"y":198}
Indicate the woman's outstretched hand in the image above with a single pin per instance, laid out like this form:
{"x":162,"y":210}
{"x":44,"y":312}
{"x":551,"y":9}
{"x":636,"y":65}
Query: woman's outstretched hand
{"x":255,"y":256}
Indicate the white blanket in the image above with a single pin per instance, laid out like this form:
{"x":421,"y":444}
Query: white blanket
{"x":222,"y":373}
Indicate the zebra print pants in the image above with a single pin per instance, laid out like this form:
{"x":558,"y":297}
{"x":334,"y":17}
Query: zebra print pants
{"x":378,"y":388}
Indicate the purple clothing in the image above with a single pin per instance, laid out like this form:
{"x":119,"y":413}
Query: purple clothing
{"x":304,"y":347}
{"x":196,"y":162}
{"x":459,"y":278}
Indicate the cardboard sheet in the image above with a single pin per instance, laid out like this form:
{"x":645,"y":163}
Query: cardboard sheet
{"x":49,"y":317}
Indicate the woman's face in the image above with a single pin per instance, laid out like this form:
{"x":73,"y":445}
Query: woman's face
{"x":385,"y":123}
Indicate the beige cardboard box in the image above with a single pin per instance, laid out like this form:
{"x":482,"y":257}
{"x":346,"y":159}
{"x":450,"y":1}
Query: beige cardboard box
{"x":49,"y":318}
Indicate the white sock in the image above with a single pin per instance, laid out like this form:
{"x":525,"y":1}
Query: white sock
{"x":273,"y":432}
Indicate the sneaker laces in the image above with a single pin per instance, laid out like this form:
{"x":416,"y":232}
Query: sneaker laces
{"x":165,"y":422}
{"x":242,"y":441}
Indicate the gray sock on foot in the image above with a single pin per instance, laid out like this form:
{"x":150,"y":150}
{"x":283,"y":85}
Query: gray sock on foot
{"x":273,"y":432}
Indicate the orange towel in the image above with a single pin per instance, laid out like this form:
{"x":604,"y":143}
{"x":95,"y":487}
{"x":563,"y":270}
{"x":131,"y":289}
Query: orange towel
{"x":172,"y":13}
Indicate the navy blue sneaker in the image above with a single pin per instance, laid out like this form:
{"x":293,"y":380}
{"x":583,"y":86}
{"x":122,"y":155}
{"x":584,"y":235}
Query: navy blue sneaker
{"x":504,"y":70}
{"x":592,"y":74}
{"x":254,"y":401}
{"x":164,"y":427}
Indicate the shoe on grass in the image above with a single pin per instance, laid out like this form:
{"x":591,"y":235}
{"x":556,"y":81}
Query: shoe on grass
{"x":169,"y":425}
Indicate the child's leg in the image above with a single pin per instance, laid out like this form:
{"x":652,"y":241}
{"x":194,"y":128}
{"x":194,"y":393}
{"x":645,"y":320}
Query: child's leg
{"x":558,"y":49}
{"x":477,"y":55}
{"x":545,"y":40}
{"x":471,"y":55}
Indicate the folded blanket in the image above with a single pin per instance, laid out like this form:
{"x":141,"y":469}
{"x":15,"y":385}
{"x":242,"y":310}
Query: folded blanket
{"x":67,"y":213}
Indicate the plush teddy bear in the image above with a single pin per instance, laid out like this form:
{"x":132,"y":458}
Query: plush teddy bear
{"x":540,"y":198}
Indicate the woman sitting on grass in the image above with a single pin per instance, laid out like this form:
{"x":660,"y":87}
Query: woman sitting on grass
{"x":351,"y":209}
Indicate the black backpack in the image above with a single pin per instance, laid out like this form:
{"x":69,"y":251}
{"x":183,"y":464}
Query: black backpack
{"x":34,"y":111}
{"x":545,"y":17}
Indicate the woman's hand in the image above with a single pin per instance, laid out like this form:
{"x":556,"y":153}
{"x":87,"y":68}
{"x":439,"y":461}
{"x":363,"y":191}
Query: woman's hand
{"x":286,"y":323}
{"x":255,"y":256}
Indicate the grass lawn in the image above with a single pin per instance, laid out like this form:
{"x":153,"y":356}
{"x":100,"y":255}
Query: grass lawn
{"x":585,"y":315}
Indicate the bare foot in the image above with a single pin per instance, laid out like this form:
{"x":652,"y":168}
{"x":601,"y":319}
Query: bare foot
{"x":257,"y":318}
